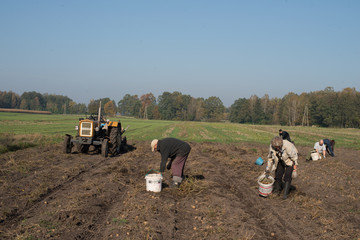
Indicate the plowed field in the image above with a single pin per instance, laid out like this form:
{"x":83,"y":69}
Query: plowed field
{"x":46,"y":194}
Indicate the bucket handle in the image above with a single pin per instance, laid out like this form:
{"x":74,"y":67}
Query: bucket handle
{"x":153,"y":170}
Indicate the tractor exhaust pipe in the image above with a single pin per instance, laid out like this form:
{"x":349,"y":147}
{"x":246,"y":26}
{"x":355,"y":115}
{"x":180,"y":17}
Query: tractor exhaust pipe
{"x":99,"y":115}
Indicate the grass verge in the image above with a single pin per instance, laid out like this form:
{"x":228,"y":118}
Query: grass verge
{"x":19,"y":131}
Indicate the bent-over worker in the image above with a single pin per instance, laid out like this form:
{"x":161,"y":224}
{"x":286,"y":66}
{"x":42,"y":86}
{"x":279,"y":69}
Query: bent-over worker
{"x":329,"y":144}
{"x":284,"y":135}
{"x":178,"y":151}
{"x":283,"y":155}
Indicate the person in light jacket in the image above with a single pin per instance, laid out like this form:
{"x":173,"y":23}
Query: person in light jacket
{"x":283,"y":155}
{"x":320,"y":148}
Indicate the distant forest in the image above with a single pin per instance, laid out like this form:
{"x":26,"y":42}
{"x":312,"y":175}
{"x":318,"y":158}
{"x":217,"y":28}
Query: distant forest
{"x":325,"y":108}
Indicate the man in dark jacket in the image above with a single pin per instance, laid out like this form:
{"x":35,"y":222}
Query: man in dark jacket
{"x":175,"y":149}
{"x":329,"y":146}
{"x":284,"y":135}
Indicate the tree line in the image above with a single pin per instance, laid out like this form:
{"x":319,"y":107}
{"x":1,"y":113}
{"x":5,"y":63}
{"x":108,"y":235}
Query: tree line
{"x":325,"y":108}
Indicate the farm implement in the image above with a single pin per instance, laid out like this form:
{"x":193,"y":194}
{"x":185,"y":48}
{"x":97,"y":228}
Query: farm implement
{"x":104,"y":135}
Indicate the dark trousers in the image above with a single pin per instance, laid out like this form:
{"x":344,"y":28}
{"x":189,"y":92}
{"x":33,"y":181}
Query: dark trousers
{"x":282,"y":170}
{"x":330,"y":151}
{"x":329,"y":146}
{"x":178,"y":164}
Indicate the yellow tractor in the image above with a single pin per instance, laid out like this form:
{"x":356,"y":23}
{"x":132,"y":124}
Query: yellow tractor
{"x":104,"y":135}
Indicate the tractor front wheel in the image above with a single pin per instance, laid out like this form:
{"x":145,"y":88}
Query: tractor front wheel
{"x":105,"y":148}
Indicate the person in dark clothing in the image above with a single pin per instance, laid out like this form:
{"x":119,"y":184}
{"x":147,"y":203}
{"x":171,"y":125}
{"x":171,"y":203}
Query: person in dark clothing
{"x":178,"y":152}
{"x":329,"y":146}
{"x":284,"y":135}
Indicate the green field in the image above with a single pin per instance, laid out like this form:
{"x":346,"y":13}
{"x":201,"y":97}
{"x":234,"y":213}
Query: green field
{"x":24,"y":130}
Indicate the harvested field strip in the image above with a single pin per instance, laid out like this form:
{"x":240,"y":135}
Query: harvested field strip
{"x":95,"y":198}
{"x":70,"y":184}
{"x":47,"y":193}
{"x":242,"y":196}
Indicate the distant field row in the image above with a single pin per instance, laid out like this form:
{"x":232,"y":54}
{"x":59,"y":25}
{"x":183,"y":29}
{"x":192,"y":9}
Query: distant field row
{"x":54,"y":127}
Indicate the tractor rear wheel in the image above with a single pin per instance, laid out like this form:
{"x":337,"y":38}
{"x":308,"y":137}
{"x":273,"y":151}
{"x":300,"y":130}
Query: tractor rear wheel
{"x":115,"y":141}
{"x":105,"y":148}
{"x":67,"y":144}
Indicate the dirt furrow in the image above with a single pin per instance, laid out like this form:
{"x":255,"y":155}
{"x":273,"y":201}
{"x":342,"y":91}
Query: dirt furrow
{"x":19,"y":215}
{"x":247,"y":198}
{"x":83,"y":192}
{"x":83,"y":196}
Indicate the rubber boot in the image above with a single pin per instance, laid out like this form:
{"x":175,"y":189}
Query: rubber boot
{"x":286,"y":190}
{"x":176,"y":182}
{"x":277,"y":187}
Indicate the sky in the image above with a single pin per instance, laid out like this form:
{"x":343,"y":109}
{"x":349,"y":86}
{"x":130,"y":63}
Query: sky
{"x":230,"y":49}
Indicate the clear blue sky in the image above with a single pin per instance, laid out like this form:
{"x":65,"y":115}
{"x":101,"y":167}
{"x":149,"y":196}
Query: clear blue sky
{"x":230,"y":49}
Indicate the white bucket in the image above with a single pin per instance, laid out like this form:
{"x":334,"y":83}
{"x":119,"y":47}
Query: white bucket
{"x":153,"y":182}
{"x":265,"y":189}
{"x":315,"y":156}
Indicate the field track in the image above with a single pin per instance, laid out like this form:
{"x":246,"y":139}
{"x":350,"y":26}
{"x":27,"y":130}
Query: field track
{"x":13,"y":110}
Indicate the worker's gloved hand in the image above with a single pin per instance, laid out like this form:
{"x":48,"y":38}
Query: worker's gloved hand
{"x":267,"y":173}
{"x":295,"y":172}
